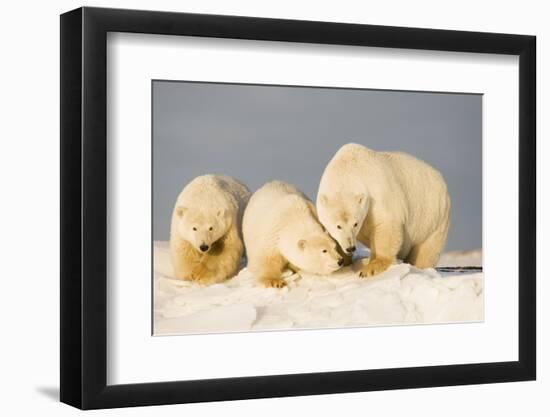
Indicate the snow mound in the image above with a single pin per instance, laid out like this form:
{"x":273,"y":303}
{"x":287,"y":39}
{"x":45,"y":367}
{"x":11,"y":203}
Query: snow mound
{"x":401,"y":295}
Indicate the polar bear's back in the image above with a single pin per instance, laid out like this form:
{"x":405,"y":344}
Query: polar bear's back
{"x":380,"y":166}
{"x":341,"y":173}
{"x":271,"y":198}
{"x":426,"y":195}
{"x":210,"y":190}
{"x":413,"y":173}
{"x":272,"y":207}
{"x":276,"y":190}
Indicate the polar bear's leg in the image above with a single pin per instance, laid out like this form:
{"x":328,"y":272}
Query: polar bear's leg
{"x":268,"y":270}
{"x":183,"y":257}
{"x":182,"y":270}
{"x":385,"y":241}
{"x":213,"y":271}
{"x":426,"y":254}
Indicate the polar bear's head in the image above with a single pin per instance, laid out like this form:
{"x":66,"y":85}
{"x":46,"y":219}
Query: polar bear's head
{"x":201,"y":228}
{"x":343,"y":215}
{"x":316,"y":253}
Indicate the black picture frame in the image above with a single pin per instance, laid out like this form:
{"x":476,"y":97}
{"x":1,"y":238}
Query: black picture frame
{"x":84,"y":207}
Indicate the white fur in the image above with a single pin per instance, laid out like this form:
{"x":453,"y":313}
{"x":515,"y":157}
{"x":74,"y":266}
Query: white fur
{"x":281,"y":230}
{"x":208,"y":212}
{"x":392,"y":202}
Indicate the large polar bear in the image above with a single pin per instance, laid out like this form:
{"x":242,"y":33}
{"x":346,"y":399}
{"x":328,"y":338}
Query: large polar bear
{"x":281,"y":231}
{"x":205,"y":235}
{"x":395,"y":204}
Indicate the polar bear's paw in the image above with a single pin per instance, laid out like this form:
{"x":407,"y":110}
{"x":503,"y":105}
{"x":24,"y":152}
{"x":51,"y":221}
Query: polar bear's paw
{"x":203,"y":275}
{"x":375,"y":267}
{"x":209,"y":280}
{"x":274,"y":282}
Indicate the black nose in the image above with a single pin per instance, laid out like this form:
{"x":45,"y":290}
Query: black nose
{"x":340,"y":261}
{"x":351,"y":249}
{"x":204,"y":247}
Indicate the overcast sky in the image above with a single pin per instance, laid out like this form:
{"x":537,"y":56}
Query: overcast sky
{"x":260,"y":133}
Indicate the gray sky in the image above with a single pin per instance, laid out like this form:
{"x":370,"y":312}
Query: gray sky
{"x":258,"y":133}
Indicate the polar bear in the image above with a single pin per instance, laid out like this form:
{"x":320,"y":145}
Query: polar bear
{"x":205,"y":236}
{"x":392,"y":202}
{"x":281,"y":231}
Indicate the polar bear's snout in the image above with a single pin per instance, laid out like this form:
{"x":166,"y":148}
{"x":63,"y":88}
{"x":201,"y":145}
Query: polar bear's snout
{"x":346,"y":240}
{"x":204,"y":247}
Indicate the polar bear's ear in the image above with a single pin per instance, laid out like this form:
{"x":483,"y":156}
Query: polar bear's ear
{"x":323,"y":199}
{"x":180,"y":211}
{"x":221,"y":213}
{"x":302,"y":244}
{"x":361,"y":198}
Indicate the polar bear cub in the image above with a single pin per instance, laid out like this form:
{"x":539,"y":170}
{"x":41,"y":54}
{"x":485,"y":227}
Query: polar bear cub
{"x":281,"y":231}
{"x":205,"y":236}
{"x":393,"y":203}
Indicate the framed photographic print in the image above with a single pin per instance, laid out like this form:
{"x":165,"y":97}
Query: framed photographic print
{"x":257,"y":207}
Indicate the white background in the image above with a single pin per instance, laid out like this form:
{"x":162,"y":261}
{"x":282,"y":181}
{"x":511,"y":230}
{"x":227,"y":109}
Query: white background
{"x":30,"y":174}
{"x":133,"y":60}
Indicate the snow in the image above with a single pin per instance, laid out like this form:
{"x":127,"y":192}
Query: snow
{"x":401,"y":295}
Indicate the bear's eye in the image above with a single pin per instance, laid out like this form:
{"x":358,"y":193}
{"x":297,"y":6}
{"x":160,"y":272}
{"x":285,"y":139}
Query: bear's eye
{"x":195,"y":229}
{"x":339,"y":227}
{"x":355,"y":225}
{"x":324,"y":251}
{"x":210,"y":228}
